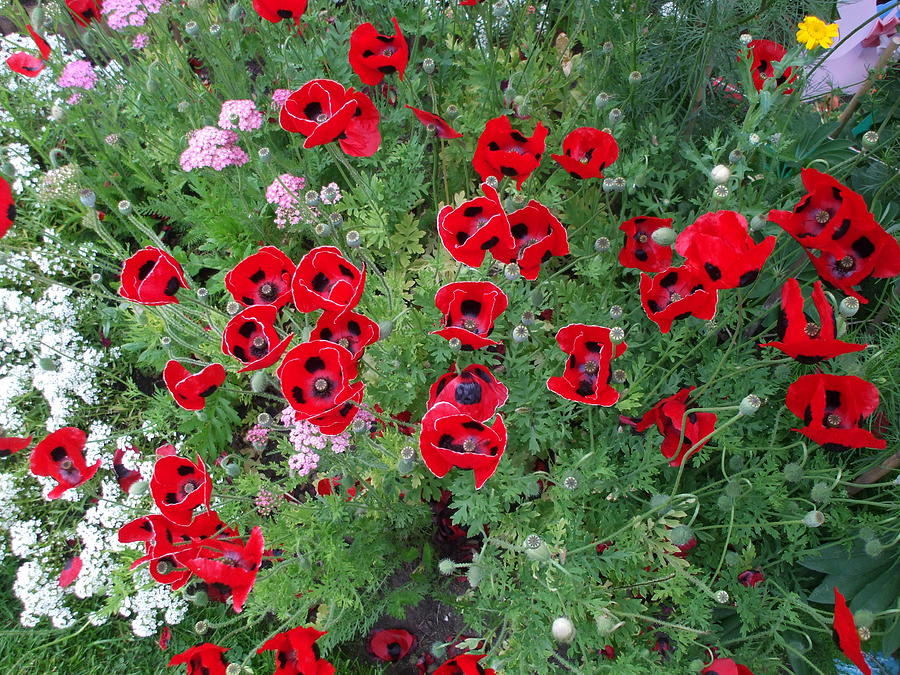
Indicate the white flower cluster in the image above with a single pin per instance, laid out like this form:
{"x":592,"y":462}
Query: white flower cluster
{"x":151,"y":599}
{"x":41,"y":596}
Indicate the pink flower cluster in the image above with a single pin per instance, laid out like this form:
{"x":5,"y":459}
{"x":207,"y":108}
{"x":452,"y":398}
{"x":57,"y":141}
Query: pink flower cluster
{"x":244,"y":111}
{"x":123,"y":13}
{"x":279,"y":96}
{"x":330,"y":194}
{"x":214,"y":148}
{"x":257,"y":436}
{"x":285,"y":193}
{"x":265,"y":502}
{"x":308,"y":442}
{"x":78,"y":74}
{"x":140,"y":41}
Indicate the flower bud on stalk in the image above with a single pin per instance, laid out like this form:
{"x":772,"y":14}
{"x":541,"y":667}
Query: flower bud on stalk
{"x":750,"y":404}
{"x":87,"y":198}
{"x":849,"y":307}
{"x":814,"y":518}
{"x":235,"y":13}
{"x":536,"y":548}
{"x":664,"y":236}
{"x":563,"y":630}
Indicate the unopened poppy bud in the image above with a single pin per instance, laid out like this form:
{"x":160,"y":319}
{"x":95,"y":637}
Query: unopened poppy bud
{"x":520,"y":333}
{"x":215,"y":29}
{"x":475,"y":575}
{"x":385,"y":329}
{"x":736,"y":462}
{"x":536,"y":548}
{"x":792,"y":472}
{"x":96,"y":278}
{"x":734,"y":489}
{"x":866,"y":533}
{"x":455,"y":344}
{"x":260,"y":381}
{"x":48,"y":364}
{"x":263,"y":419}
{"x":721,"y":192}
{"x":601,"y":100}
{"x":192,"y":28}
{"x":820,"y":493}
{"x":124,"y":207}
{"x":232,"y":307}
{"x":870,"y":139}
{"x":447,"y":567}
{"x":235,"y":13}
{"x":680,"y":535}
{"x":873,"y":548}
{"x":749,"y":405}
{"x":563,"y":630}
{"x":814,"y":518}
{"x":452,"y":112}
{"x":660,"y":503}
{"x":87,"y":198}
{"x":849,"y":307}
{"x":8,"y":169}
{"x":664,"y":236}
{"x":512,"y":272}
{"x":725,"y":503}
{"x":617,"y":334}
{"x":754,"y":139}
{"x":721,"y":597}
{"x":428,"y":66}
{"x":232,"y":468}
{"x":606,"y":624}
{"x":757,"y":222}
{"x":37,"y":17}
{"x":720,"y":174}
{"x":615,"y":116}
{"x":635,"y":77}
{"x":138,"y":488}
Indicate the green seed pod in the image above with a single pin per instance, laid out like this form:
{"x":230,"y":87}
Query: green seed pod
{"x":236,"y":13}
{"x":820,"y":493}
{"x":536,"y":548}
{"x":750,"y":404}
{"x":385,"y":328}
{"x":814,"y":518}
{"x":680,"y":535}
{"x":260,"y":381}
{"x":139,"y":487}
{"x":849,"y":307}
{"x":792,"y":472}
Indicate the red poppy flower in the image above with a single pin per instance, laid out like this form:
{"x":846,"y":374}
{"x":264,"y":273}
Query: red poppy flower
{"x":639,"y":250}
{"x":474,"y":227}
{"x":205,"y":659}
{"x":325,"y":279}
{"x":278,"y":10}
{"x":84,"y":11}
{"x":151,"y":277}
{"x":765,"y":53}
{"x":469,"y":309}
{"x":587,"y":374}
{"x":315,"y":379}
{"x":190,"y":391}
{"x":845,"y":634}
{"x":10,"y":445}
{"x":504,"y":151}
{"x":726,"y":667}
{"x":870,"y":253}
{"x":450,"y":438}
{"x":70,"y":571}
{"x":165,"y":637}
{"x":667,"y":415}
{"x":233,"y":573}
{"x":350,"y":330}
{"x":263,"y":278}
{"x":324,"y":111}
{"x":126,"y":477}
{"x":7,"y":207}
{"x":373,"y":55}
{"x":833,"y":408}
{"x":676,"y":293}
{"x":178,"y":486}
{"x":250,"y":337}
{"x":296,"y":652}
{"x":587,"y":151}
{"x":474,"y":392}
{"x":800,"y":337}
{"x":27,"y":64}
{"x":538,"y":236}
{"x":608,"y":652}
{"x":439,"y":126}
{"x":720,"y":247}
{"x":61,"y":456}
{"x":390,"y":644}
{"x":465,"y":664}
{"x":751,"y":578}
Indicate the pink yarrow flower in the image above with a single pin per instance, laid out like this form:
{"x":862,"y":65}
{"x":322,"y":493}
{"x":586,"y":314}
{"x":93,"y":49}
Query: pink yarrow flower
{"x":140,"y":41}
{"x":279,"y":96}
{"x":286,"y":193}
{"x":241,"y":114}
{"x":214,"y":148}
{"x":78,"y":74}
{"x":120,"y":14}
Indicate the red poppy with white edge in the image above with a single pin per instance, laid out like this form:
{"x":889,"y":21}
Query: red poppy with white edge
{"x":475,"y":227}
{"x":263,"y":278}
{"x":504,"y":151}
{"x":250,"y":337}
{"x":315,"y":378}
{"x":538,"y":235}
{"x":800,"y":337}
{"x":720,"y":247}
{"x":325,"y":111}
{"x":675,"y":294}
{"x":274,"y":11}
{"x":165,"y":637}
{"x":475,"y":391}
{"x":639,"y":251}
{"x":373,"y":55}
{"x":205,"y":659}
{"x":846,"y":635}
{"x":450,"y":439}
{"x":350,"y":330}
{"x":191,"y":391}
{"x":833,"y":409}
{"x":587,"y":371}
{"x":7,"y":207}
{"x":465,"y":664}
{"x":70,"y":571}
{"x":233,"y":573}
{"x":440,"y":127}
{"x":10,"y":445}
{"x":325,"y":279}
{"x":469,"y":309}
{"x":84,"y":11}
{"x":61,"y":456}
{"x":765,"y":54}
{"x":151,"y":277}
{"x":296,"y":652}
{"x":27,"y":64}
{"x":726,"y":667}
{"x":587,"y":152}
{"x":390,"y":644}
{"x":124,"y":476}
{"x":179,"y":486}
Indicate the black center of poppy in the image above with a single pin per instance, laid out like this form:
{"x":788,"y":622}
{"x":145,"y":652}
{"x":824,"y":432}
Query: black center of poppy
{"x":468,"y":393}
{"x":321,"y":386}
{"x":822,"y":216}
{"x":845,"y":263}
{"x":642,"y":238}
{"x":284,"y":13}
{"x":312,"y":110}
{"x":267,"y":291}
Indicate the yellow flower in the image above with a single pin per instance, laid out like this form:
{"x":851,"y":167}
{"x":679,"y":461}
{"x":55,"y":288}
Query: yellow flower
{"x":816,"y":33}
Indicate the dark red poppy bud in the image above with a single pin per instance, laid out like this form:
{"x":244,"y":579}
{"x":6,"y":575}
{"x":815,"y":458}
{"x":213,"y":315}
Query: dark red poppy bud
{"x":278,"y":10}
{"x":61,"y":456}
{"x":373,"y":55}
{"x":538,"y":235}
{"x":9,"y":445}
{"x":504,"y":151}
{"x":751,"y":578}
{"x":7,"y":207}
{"x":587,"y":152}
{"x":250,"y":337}
{"x":151,"y":277}
{"x":205,"y":659}
{"x":469,"y":309}
{"x":263,"y":278}
{"x":465,"y":664}
{"x":765,"y":53}
{"x":296,"y":652}
{"x":178,"y":486}
{"x":676,"y":293}
{"x":640,"y":251}
{"x":348,"y":329}
{"x":474,"y":227}
{"x":475,"y":391}
{"x":438,"y":126}
{"x":391,"y":644}
{"x":325,"y":279}
{"x":587,"y":373}
{"x":190,"y":391}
